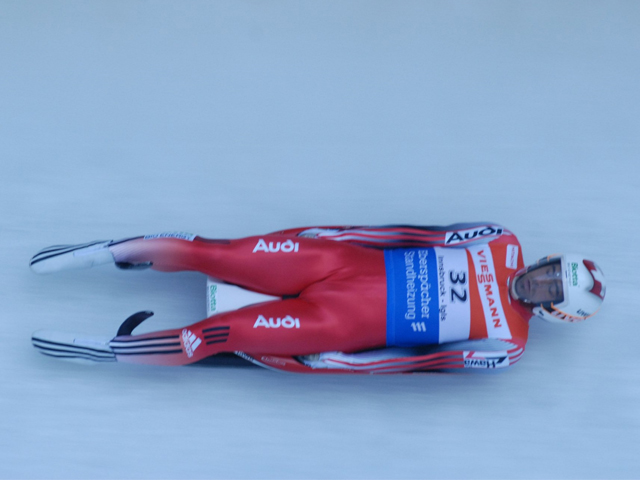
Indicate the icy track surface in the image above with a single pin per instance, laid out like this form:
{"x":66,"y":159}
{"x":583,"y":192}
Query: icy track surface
{"x":231,"y":118}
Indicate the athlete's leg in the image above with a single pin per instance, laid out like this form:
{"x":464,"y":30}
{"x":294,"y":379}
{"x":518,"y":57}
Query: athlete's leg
{"x":288,"y":327}
{"x":272,"y":264}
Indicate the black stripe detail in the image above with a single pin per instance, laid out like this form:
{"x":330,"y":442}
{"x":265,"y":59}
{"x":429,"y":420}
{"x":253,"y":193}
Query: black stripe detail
{"x":110,"y":359}
{"x":77,"y":354}
{"x":67,"y":350}
{"x":134,"y":339}
{"x":70,"y":248}
{"x":216,"y":341}
{"x":35,"y":260}
{"x":376,"y":233}
{"x":394,"y":242}
{"x":159,"y":352}
{"x":219,"y":335}
{"x":214,"y":329}
{"x":433,"y":228}
{"x":151,"y":345}
{"x":51,"y":250}
{"x":108,"y":355}
{"x":68,"y":345}
{"x":118,"y":242}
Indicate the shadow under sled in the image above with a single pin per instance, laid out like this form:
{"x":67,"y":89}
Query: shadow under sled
{"x":224,"y":359}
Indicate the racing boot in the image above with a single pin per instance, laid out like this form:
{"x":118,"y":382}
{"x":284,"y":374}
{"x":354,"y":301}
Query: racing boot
{"x":72,"y":257}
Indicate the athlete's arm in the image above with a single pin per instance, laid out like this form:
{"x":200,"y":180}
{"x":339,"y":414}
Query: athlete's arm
{"x":485,"y":354}
{"x":406,"y":236}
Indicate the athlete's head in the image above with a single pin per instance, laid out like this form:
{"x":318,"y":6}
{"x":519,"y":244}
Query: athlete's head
{"x":561,"y":288}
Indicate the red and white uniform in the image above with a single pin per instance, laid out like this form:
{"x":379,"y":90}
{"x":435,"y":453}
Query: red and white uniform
{"x":414,"y":298}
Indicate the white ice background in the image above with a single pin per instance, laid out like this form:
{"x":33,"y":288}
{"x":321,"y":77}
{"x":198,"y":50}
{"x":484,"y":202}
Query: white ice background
{"x":232,"y":118}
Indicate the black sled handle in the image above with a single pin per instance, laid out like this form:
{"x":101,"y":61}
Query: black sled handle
{"x":132,"y":322}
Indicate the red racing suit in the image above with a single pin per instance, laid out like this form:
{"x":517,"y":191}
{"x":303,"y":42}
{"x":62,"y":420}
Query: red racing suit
{"x":411,"y":298}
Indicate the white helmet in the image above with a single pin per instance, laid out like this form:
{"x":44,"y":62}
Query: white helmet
{"x":583,"y":289}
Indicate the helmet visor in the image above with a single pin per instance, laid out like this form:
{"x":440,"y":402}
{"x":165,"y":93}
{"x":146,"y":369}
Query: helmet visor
{"x":541,"y":285}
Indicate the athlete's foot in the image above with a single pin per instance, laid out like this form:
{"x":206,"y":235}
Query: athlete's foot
{"x":72,"y":257}
{"x":75,"y":347}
